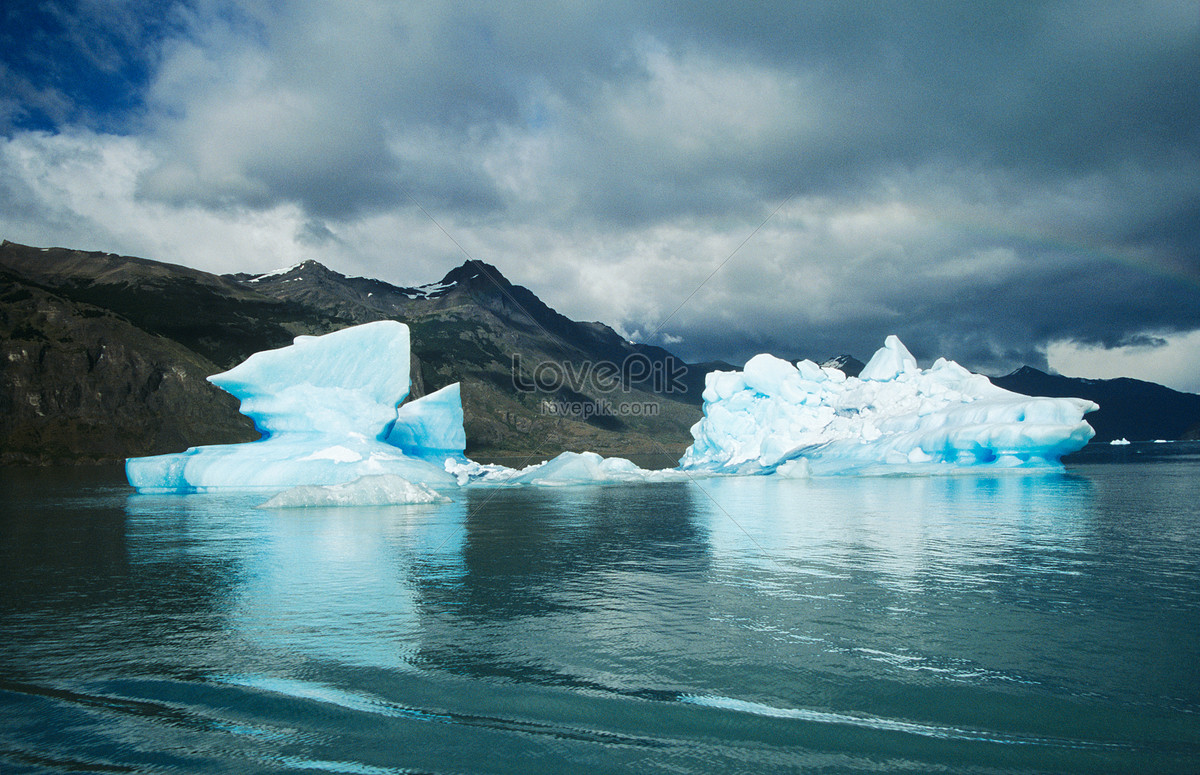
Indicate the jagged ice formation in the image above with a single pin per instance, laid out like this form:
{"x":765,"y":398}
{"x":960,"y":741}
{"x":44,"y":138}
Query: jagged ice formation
{"x":329,"y":408}
{"x":894,"y":416}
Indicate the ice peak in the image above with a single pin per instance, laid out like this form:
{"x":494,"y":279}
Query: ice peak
{"x":889,"y":361}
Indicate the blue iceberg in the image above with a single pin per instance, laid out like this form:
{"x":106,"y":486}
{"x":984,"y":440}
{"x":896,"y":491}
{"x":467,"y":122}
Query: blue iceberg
{"x":776,"y":417}
{"x":569,"y":468}
{"x":326,"y":406}
{"x":431,"y":427}
{"x":331,"y":412}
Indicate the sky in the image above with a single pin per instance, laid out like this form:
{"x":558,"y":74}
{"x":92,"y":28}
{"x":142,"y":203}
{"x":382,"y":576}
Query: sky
{"x":997,"y":183}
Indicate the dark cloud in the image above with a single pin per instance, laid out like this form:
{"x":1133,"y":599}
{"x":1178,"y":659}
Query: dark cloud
{"x":982,"y":179}
{"x":1036,"y":84}
{"x":993,"y":325}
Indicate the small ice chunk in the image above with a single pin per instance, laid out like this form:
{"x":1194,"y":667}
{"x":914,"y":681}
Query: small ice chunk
{"x":381,"y":490}
{"x":581,"y":468}
{"x":567,"y":469}
{"x":467,"y":471}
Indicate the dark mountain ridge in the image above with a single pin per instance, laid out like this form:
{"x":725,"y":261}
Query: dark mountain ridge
{"x":105,"y":357}
{"x":62,"y":312}
{"x":476,"y":284}
{"x":214,"y":316}
{"x":81,"y":383}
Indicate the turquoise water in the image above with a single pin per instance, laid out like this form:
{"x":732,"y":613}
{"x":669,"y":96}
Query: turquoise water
{"x":974,"y":624}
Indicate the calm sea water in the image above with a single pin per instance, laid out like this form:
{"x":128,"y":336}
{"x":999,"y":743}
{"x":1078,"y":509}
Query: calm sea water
{"x":968,"y":624}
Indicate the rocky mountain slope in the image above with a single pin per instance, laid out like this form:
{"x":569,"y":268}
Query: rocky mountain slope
{"x":533,"y":380}
{"x":105,"y":357}
{"x":81,"y":383}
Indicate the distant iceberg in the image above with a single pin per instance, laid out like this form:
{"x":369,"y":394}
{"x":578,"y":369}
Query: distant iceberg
{"x":776,"y":416}
{"x":331,"y":414}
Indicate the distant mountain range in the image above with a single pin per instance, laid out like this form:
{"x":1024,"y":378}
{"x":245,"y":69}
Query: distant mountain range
{"x":105,"y":357}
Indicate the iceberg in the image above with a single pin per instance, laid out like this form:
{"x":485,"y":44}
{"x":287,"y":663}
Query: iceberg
{"x":336,"y":430}
{"x":804,"y":419}
{"x":326,"y":406}
{"x":568,"y":468}
{"x":431,"y":427}
{"x":381,"y":490}
{"x":580,"y":468}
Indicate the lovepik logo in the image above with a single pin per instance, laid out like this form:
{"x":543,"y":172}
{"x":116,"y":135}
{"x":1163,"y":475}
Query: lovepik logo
{"x":636,"y":370}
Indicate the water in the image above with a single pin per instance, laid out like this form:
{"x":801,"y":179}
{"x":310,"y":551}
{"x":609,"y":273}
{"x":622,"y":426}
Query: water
{"x":967,"y":624}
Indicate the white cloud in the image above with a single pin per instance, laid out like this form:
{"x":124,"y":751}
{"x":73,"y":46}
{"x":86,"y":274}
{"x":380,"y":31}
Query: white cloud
{"x":1174,"y":364}
{"x":81,"y":191}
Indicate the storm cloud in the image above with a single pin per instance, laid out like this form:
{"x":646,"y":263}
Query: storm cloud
{"x":992,"y":182}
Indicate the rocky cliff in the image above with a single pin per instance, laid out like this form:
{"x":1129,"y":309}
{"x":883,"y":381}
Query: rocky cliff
{"x":105,"y":357}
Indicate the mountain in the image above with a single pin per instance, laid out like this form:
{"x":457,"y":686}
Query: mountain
{"x":533,"y":379}
{"x":82,"y":383}
{"x":1129,"y":408}
{"x":847,"y":364}
{"x":106,"y":357}
{"x":213,"y":316}
{"x":479,"y":291}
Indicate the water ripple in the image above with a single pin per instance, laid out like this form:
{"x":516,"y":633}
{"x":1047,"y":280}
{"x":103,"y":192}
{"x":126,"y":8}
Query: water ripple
{"x":365,"y":703}
{"x":935,"y":731}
